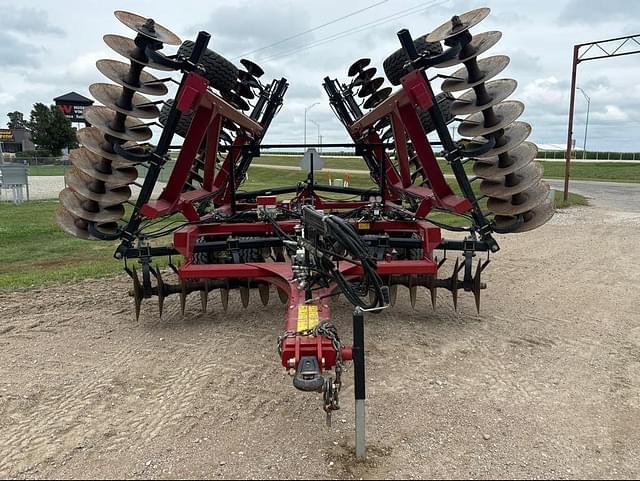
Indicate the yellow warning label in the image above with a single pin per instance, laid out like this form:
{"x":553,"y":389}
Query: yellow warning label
{"x":307,"y":317}
{"x":364,"y":226}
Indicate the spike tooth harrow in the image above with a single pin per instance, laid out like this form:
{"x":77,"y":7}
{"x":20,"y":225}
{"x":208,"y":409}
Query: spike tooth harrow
{"x":251,"y":240}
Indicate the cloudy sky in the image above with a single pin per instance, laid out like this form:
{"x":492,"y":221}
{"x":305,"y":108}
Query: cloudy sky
{"x":50,"y":48}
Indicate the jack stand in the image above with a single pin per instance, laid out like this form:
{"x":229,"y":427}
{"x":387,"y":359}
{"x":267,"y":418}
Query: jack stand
{"x":359,"y":381}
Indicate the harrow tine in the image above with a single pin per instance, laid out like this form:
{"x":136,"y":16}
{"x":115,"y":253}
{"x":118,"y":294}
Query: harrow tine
{"x":183,"y":295}
{"x":263,"y":290}
{"x":137,"y":292}
{"x":244,"y":296}
{"x":433,"y":290}
{"x":393,"y":294}
{"x":477,"y":285}
{"x":204,"y":296}
{"x":454,"y":285}
{"x":161,"y":290}
{"x":224,"y":298}
{"x":413,"y":293}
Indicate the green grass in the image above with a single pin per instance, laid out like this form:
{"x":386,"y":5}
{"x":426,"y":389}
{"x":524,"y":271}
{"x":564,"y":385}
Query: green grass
{"x":47,"y":169}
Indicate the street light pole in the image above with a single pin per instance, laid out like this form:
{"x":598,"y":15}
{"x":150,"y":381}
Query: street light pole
{"x":306,"y":109}
{"x":586,"y":125}
{"x":318,"y":126}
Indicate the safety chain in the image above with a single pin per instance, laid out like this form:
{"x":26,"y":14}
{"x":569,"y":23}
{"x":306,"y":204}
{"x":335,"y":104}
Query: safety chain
{"x":331,"y":388}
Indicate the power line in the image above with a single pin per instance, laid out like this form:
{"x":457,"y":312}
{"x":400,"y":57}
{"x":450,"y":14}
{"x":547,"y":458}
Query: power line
{"x":345,"y":33}
{"x":310,"y":30}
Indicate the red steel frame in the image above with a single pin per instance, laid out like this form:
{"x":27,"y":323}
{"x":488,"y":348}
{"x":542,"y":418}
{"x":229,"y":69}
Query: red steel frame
{"x":209,"y":113}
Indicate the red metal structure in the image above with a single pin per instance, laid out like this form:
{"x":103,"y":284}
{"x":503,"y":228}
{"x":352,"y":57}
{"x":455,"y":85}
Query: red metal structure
{"x":308,"y":247}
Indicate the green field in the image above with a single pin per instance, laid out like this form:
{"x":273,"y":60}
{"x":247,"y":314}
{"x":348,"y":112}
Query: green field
{"x":36,"y":252}
{"x":601,"y":171}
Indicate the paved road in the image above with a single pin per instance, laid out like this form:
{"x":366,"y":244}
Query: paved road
{"x":609,"y":195}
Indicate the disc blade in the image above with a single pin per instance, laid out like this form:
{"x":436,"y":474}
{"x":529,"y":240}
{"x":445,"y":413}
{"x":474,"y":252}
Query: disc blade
{"x":519,"y":182}
{"x":479,"y":44}
{"x":109,"y":95}
{"x":89,"y":189}
{"x":357,"y":66}
{"x":514,"y":135}
{"x":89,"y":210}
{"x":118,"y":72}
{"x":370,"y":87}
{"x":93,"y":139}
{"x":90,"y":163}
{"x":364,"y":76}
{"x":137,"y":292}
{"x":103,"y":119}
{"x":183,"y":295}
{"x":496,"y":167}
{"x":127,"y":48}
{"x":505,"y":113}
{"x":378,"y":97}
{"x":489,"y":67}
{"x":520,"y":203}
{"x":532,"y":219}
{"x":252,"y":68}
{"x":477,"y":285}
{"x":454,"y":285}
{"x":72,"y":225}
{"x":497,"y":91}
{"x":450,"y":29}
{"x":147,"y":27}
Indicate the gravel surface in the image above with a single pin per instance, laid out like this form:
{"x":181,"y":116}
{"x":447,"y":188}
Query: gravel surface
{"x":47,"y":187}
{"x":544,"y":383}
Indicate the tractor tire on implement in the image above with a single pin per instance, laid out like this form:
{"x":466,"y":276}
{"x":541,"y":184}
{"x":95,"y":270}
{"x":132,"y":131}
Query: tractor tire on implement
{"x":394,"y":65}
{"x":220,"y":72}
{"x":444,"y":101}
{"x":183,"y":124}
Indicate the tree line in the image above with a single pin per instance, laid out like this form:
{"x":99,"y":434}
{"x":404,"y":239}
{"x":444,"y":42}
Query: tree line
{"x":50,"y":130}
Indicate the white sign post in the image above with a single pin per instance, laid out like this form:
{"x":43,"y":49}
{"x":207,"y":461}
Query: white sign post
{"x":311,"y":158}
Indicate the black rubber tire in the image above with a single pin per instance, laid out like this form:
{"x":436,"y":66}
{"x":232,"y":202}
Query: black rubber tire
{"x":184,"y":122}
{"x":444,"y":102}
{"x":394,"y":64}
{"x":220,"y":72}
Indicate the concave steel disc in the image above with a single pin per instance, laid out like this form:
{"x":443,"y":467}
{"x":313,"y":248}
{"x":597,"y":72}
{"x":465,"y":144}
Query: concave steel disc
{"x":489,"y":67}
{"x":532,"y":219}
{"x":93,"y":139}
{"x":490,"y":168}
{"x":147,"y":27}
{"x":81,"y":183}
{"x":80,"y":207}
{"x":252,"y":68}
{"x":506,"y":113}
{"x":108,"y":95}
{"x":72,"y":225}
{"x":498,"y":90}
{"x":524,"y":201}
{"x":118,"y":71}
{"x":379,"y":96}
{"x":371,"y":87}
{"x":449,"y":29}
{"x":102,"y":118}
{"x":88,"y":162}
{"x":126,"y":47}
{"x":365,"y":76}
{"x":244,"y":91}
{"x":235,"y":100}
{"x":514,"y":135}
{"x":357,"y":66}
{"x":526,"y":177}
{"x":479,"y":44}
{"x":248,"y":79}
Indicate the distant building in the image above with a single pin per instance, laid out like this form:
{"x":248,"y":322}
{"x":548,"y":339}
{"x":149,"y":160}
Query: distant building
{"x":15,"y":140}
{"x":72,"y":105}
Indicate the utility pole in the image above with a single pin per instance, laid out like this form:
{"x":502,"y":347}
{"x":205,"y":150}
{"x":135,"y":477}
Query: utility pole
{"x":306,"y":109}
{"x":586,"y":125}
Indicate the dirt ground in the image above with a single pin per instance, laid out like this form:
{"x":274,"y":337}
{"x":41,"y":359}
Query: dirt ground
{"x":545,"y":383}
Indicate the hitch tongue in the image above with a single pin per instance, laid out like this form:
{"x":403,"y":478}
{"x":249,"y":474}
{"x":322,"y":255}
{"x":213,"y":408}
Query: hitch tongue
{"x":308,"y":376}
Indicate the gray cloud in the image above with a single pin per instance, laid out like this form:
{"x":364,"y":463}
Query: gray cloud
{"x":28,"y":20}
{"x":16,"y":53}
{"x":593,"y":12}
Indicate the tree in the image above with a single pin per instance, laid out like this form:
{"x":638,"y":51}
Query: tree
{"x":16,"y":120}
{"x":50,"y":129}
